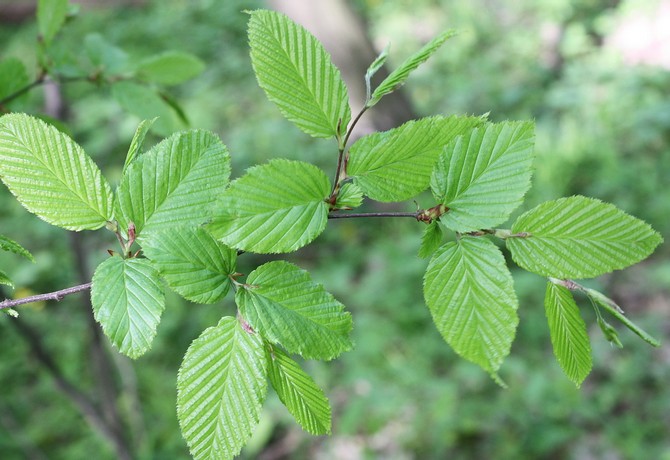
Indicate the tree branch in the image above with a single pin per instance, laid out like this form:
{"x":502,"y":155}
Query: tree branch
{"x":56,"y":295}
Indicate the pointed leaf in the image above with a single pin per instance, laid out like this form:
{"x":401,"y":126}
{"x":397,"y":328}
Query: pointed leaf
{"x":396,"y":165}
{"x":51,"y":175}
{"x":174,"y":184}
{"x":296,"y":389}
{"x":568,"y":333}
{"x":192,"y":262}
{"x":470,"y":294}
{"x":170,"y":68}
{"x":10,"y":245}
{"x":349,"y":197}
{"x":4,"y":279}
{"x":221,"y":387}
{"x":580,"y":237}
{"x":377,"y":64}
{"x":128,"y":301}
{"x":145,"y":102}
{"x":398,"y":77}
{"x":483,"y":175}
{"x":138,"y":139}
{"x":431,"y":239}
{"x":276,"y":207}
{"x":286,"y":307}
{"x":297,"y":74}
{"x":50,"y":17}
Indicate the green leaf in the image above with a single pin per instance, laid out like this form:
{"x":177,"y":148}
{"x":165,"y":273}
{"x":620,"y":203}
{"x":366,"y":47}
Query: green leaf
{"x":4,"y":279}
{"x":192,"y":262}
{"x":396,"y":165}
{"x":276,"y":207}
{"x":568,"y":333}
{"x":580,"y":237}
{"x":221,"y":386}
{"x":483,"y":175}
{"x":13,"y":77}
{"x":431,"y":239}
{"x":146,"y":103}
{"x":285,"y":306}
{"x":174,"y":184}
{"x":349,"y":197}
{"x":170,"y":68}
{"x":138,"y":139}
{"x":128,"y":301}
{"x":296,"y":389}
{"x":377,"y":64}
{"x":470,"y":294}
{"x":108,"y":59}
{"x":51,"y":175}
{"x":609,"y":305}
{"x":50,"y":18}
{"x":10,"y":245}
{"x":398,"y":77}
{"x":297,"y":74}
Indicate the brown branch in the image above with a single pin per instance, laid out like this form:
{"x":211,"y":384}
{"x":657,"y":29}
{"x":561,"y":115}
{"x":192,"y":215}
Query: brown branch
{"x":56,"y":295}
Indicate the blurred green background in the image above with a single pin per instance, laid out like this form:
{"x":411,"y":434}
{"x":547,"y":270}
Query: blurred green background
{"x":601,"y":100}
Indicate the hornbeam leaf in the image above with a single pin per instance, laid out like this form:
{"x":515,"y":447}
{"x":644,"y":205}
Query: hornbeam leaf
{"x":285,"y":306}
{"x":4,"y":279}
{"x":51,"y":16}
{"x":568,"y":333}
{"x":13,"y":78}
{"x":192,"y":262}
{"x":221,"y":386}
{"x":470,"y":294}
{"x":174,"y":184}
{"x":296,"y":389}
{"x":431,"y":240}
{"x":372,"y":70}
{"x":51,"y":175}
{"x":350,"y":196}
{"x":579,"y":237}
{"x":483,"y":175}
{"x":128,"y":301}
{"x":138,"y":139}
{"x":396,"y":165}
{"x":10,"y":245}
{"x":170,"y":68}
{"x":398,"y":77}
{"x":297,"y":74}
{"x":276,"y":207}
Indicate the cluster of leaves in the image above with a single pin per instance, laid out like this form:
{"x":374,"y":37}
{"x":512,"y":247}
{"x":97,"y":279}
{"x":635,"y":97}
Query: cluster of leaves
{"x":175,"y":201}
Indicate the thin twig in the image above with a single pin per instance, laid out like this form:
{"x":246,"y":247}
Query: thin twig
{"x":56,"y":295}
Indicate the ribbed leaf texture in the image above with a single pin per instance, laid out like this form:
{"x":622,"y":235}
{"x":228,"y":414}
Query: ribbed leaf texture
{"x":51,"y":175}
{"x":128,"y":301}
{"x":349,"y":197}
{"x":174,"y":184}
{"x":221,"y":387}
{"x":7,"y":244}
{"x":470,"y":293}
{"x":298,"y":75}
{"x":579,"y":237}
{"x":192,"y":262}
{"x":299,"y":393}
{"x":569,"y":338}
{"x":398,"y":77}
{"x":138,"y":139}
{"x":483,"y":175}
{"x":276,"y":207}
{"x":396,"y":165}
{"x":285,"y":306}
{"x":431,"y":240}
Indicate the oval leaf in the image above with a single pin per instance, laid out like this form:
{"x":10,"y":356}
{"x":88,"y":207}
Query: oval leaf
{"x":221,"y":387}
{"x":580,"y":237}
{"x":297,"y":74}
{"x":128,"y":301}
{"x":51,"y":175}
{"x":470,"y":294}
{"x":483,"y":175}
{"x":170,"y":68}
{"x":276,"y":207}
{"x":568,"y":333}
{"x":51,"y":16}
{"x":146,"y":103}
{"x":283,"y":303}
{"x":192,"y":262}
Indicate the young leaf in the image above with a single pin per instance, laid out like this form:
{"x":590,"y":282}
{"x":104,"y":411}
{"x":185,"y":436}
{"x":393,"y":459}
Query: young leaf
{"x":580,"y":237}
{"x":372,"y":70}
{"x":128,"y":301}
{"x":10,"y":245}
{"x":275,"y":207}
{"x":170,"y":68}
{"x":285,"y":306}
{"x":296,"y":389}
{"x":51,"y":175}
{"x":138,"y":139}
{"x":470,"y":294}
{"x":13,"y":77}
{"x":483,"y":175}
{"x":221,"y":386}
{"x":297,"y":74}
{"x":174,"y":184}
{"x":349,"y":197}
{"x":396,"y":165}
{"x":431,"y":239}
{"x":192,"y":262}
{"x":50,"y":18}
{"x":398,"y":77}
{"x":145,"y":103}
{"x":4,"y":279}
{"x":568,"y":333}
